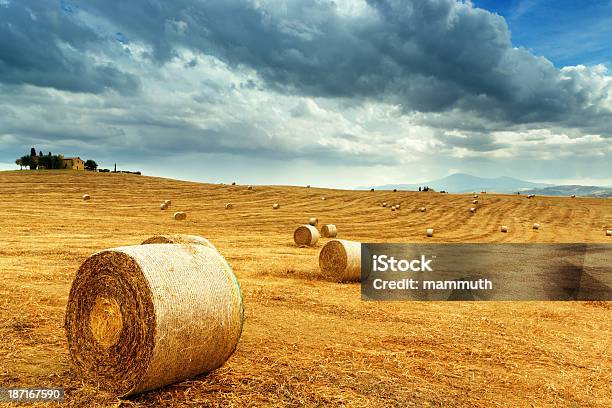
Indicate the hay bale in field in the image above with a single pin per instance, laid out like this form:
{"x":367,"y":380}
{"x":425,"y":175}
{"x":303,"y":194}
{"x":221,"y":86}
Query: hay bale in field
{"x":371,"y":190}
{"x":178,"y":239}
{"x":86,"y":197}
{"x":608,"y":233}
{"x":473,"y":210}
{"x":167,"y":202}
{"x":233,"y":183}
{"x":573,"y":195}
{"x":392,"y":208}
{"x":275,"y":206}
{"x":306,"y":235}
{"x":133,"y":326}
{"x":313,"y":221}
{"x":429,"y":232}
{"x":504,"y":228}
{"x":475,"y":202}
{"x":475,"y":195}
{"x":395,"y":190}
{"x":329,"y":231}
{"x":249,"y":187}
{"x":536,"y":226}
{"x":397,"y":206}
{"x":229,"y":206}
{"x":180,"y":216}
{"x":308,"y":186}
{"x":530,"y":195}
{"x":163,"y":206}
{"x":384,"y":204}
{"x":422,"y":209}
{"x":323,"y":198}
{"x":340,"y":260}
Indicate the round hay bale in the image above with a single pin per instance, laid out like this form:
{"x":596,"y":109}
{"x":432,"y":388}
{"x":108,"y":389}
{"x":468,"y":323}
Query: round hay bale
{"x":167,"y":202}
{"x":323,"y":198}
{"x":86,"y":197}
{"x":233,"y":183}
{"x":608,"y":233}
{"x":384,"y":204}
{"x":392,"y":208}
{"x":371,"y":190}
{"x":132,"y":326}
{"x":275,"y":206}
{"x":306,"y":235}
{"x":313,"y":221}
{"x":475,"y":202}
{"x":329,"y":231}
{"x":472,"y":210}
{"x":422,"y":209}
{"x":178,"y":239}
{"x":340,"y":260}
{"x":504,"y":228}
{"x":536,"y":226}
{"x":397,"y":206}
{"x":475,"y":195}
{"x":573,"y":195}
{"x":180,"y":216}
{"x":163,"y":206}
{"x":308,"y":186}
{"x":429,"y":232}
{"x":249,"y":187}
{"x":229,"y":206}
{"x":395,"y":190}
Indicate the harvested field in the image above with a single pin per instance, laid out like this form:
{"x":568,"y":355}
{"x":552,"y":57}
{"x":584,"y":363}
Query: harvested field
{"x":308,"y":341}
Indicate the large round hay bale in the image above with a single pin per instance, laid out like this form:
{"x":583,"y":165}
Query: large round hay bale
{"x":422,"y":209}
{"x":275,"y":206}
{"x":504,"y":228}
{"x":163,"y":206}
{"x":395,"y":190}
{"x":144,"y":316}
{"x":340,"y":260}
{"x":180,"y":216}
{"x":392,"y":208}
{"x":233,"y":183}
{"x":167,"y":202}
{"x":608,"y":233}
{"x":86,"y":197}
{"x":472,"y":210}
{"x":323,"y":198}
{"x":536,"y":226}
{"x":397,"y":206}
{"x":475,"y":202}
{"x":178,"y":239}
{"x":249,"y":187}
{"x":475,"y":195}
{"x":306,"y":235}
{"x":573,"y":196}
{"x":384,"y":204}
{"x":229,"y":206}
{"x":371,"y":190}
{"x":429,"y":232}
{"x":313,"y":221}
{"x":329,"y":231}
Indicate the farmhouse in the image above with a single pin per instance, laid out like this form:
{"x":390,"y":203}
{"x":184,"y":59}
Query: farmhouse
{"x":73,"y":163}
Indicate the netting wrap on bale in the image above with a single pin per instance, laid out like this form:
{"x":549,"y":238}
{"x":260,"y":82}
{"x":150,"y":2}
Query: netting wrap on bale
{"x":144,"y":316}
{"x":306,"y":235}
{"x":329,"y":231}
{"x":179,"y":239}
{"x":340,"y":260}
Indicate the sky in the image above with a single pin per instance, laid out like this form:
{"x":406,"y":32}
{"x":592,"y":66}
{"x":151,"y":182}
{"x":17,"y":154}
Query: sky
{"x":340,"y":93}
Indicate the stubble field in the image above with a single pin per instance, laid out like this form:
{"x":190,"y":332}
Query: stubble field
{"x":307,"y":341}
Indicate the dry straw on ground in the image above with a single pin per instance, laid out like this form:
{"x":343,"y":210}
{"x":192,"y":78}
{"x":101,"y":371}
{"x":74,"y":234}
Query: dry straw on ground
{"x":340,"y":260}
{"x":306,"y":235}
{"x":86,"y":197}
{"x":178,"y":239}
{"x":133,"y":326}
{"x":429,"y":232}
{"x":180,"y":215}
{"x":313,"y":221}
{"x":329,"y":231}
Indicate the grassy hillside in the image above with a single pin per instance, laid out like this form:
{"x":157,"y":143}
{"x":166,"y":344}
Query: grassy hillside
{"x":305,"y":340}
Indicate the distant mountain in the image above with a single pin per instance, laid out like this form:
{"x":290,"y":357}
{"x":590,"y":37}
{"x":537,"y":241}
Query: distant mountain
{"x":462,"y":183}
{"x":587,"y":191}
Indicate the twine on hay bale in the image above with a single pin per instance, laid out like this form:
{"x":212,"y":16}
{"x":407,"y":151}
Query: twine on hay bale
{"x":163,"y":206}
{"x":422,"y":209}
{"x":536,"y":226}
{"x":429,"y":232}
{"x":86,"y":197}
{"x":329,"y":231}
{"x":313,"y":221}
{"x":229,"y":206}
{"x":504,"y":228}
{"x":180,"y":216}
{"x":306,"y":235}
{"x":178,"y":239}
{"x":608,"y":233}
{"x":340,"y":260}
{"x":275,"y":206}
{"x":132,"y":326}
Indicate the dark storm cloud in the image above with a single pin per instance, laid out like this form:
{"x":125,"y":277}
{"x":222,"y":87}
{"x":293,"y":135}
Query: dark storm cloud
{"x":427,"y":56}
{"x":42,"y":44}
